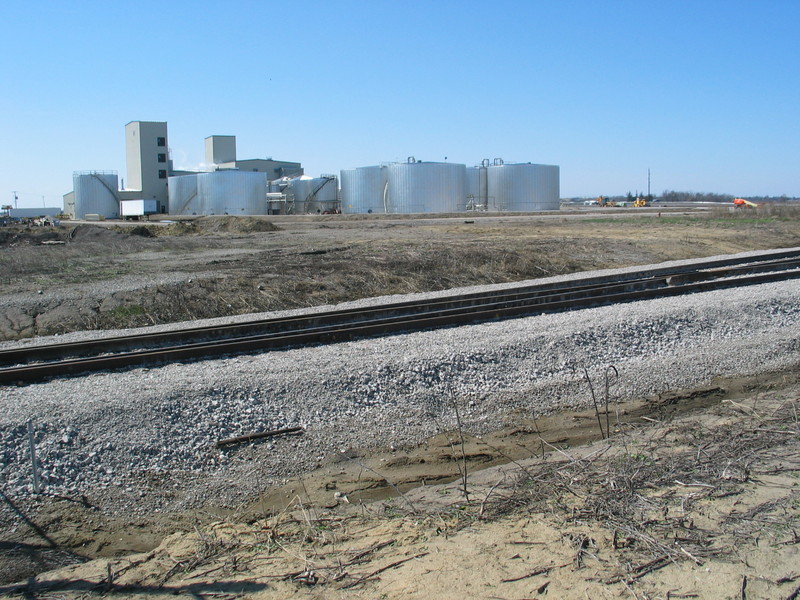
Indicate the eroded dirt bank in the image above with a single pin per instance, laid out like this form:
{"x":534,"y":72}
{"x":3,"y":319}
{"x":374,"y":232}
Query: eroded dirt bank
{"x":695,"y":495}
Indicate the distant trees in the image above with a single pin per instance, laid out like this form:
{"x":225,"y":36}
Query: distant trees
{"x":774,"y":199}
{"x":631,"y":197}
{"x":673,"y":196}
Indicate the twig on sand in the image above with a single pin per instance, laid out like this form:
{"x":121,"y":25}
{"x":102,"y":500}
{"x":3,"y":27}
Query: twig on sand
{"x":396,"y":563}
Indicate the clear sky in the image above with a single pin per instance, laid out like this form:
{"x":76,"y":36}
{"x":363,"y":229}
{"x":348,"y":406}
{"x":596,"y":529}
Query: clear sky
{"x":705,"y":94}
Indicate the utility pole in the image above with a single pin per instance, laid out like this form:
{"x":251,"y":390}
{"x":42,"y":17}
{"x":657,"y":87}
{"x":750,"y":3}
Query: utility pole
{"x":648,"y":184}
{"x":15,"y":199}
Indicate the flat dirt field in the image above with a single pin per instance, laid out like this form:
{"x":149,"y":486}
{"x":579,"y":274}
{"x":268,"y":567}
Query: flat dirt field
{"x":694,"y":495}
{"x":113,"y":277}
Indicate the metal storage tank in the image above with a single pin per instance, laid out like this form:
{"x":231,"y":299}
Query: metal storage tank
{"x":364,"y":190}
{"x":346,"y":178}
{"x":232,"y":193}
{"x":96,"y":193}
{"x":277,"y":196}
{"x":523,"y":187}
{"x":425,"y":187}
{"x":314,"y":194}
{"x":183,"y":198}
{"x":279,"y":185}
{"x":477,"y":194}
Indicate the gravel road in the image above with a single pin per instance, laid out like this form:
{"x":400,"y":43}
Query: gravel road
{"x":143,"y":440}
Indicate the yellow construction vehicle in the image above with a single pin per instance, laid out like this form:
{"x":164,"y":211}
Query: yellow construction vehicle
{"x":742,"y":203}
{"x":604,"y":201}
{"x":640,"y":202}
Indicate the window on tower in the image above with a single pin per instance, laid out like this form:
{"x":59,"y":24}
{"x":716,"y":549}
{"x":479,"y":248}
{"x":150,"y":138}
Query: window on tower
{"x":162,"y":174}
{"x":161,"y":141}
{"x":162,"y":157}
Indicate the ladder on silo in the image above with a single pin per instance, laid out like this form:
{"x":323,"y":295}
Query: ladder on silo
{"x":105,"y":185}
{"x":114,"y":193}
{"x":185,"y":204}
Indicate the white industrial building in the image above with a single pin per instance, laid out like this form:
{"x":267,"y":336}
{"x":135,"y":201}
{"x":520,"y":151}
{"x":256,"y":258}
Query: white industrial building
{"x":98,"y":193}
{"x":235,"y":187}
{"x":221,"y":152}
{"x":148,"y":162}
{"x":266,"y":186}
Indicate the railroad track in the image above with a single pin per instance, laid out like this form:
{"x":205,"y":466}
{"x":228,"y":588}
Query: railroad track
{"x":27,"y":364}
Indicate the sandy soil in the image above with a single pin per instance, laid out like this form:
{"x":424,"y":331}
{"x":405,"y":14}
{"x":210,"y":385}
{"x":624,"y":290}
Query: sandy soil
{"x":696,"y":495}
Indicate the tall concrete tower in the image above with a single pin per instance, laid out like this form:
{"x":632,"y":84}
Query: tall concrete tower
{"x":220,"y":149}
{"x":148,"y":160}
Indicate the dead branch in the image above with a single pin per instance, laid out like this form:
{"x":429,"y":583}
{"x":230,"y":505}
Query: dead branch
{"x":242,"y":439}
{"x":541,"y":571}
{"x":397,"y":563}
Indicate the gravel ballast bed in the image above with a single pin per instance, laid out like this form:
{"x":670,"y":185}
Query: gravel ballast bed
{"x":144,"y":439}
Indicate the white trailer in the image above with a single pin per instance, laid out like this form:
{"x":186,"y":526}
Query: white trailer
{"x":133,"y":209}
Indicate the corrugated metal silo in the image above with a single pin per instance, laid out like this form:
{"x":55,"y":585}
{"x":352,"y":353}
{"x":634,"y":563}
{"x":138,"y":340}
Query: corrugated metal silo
{"x":523,"y":187}
{"x":314,"y":194}
{"x":183,"y":197}
{"x":232,"y":193}
{"x":279,"y":185}
{"x":364,"y":190}
{"x":420,"y":187}
{"x":346,"y":177}
{"x":477,"y":193}
{"x":96,"y":193}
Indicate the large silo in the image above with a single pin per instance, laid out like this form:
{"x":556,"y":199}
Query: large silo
{"x":314,"y":194}
{"x":346,"y":178}
{"x":523,"y":187}
{"x":477,"y":193}
{"x":425,"y":187}
{"x":183,"y":198}
{"x":96,"y":193}
{"x":364,"y":190}
{"x":232,"y":193}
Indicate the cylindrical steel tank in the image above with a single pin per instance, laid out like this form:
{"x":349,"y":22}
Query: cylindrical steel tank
{"x":232,"y":193}
{"x":96,"y":193}
{"x":523,"y":187}
{"x":476,"y":189}
{"x":364,"y":190}
{"x":183,"y":198}
{"x":346,"y":178}
{"x":425,"y":187}
{"x":279,"y":185}
{"x":314,"y":194}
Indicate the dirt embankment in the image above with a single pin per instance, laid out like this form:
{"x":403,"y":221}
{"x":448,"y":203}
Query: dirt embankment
{"x":695,"y":495}
{"x":118,"y":277}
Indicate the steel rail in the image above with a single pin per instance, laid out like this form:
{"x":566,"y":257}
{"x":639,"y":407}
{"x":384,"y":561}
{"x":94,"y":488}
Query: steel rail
{"x":438,"y":313}
{"x":18,"y":356}
{"x":60,"y":351}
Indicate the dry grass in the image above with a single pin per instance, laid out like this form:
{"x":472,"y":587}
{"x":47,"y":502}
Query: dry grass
{"x":646,"y":489}
{"x":229,"y":265}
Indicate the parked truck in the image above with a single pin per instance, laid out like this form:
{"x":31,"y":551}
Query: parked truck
{"x":136,"y":209}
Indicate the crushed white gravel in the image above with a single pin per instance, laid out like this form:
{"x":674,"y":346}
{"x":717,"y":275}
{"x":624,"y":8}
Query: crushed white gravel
{"x":144,"y":439}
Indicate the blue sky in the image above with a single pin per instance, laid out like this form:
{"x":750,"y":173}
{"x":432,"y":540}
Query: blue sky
{"x":705,"y":94}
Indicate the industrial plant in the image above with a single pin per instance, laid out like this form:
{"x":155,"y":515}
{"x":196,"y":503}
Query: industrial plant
{"x":270,"y":187}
